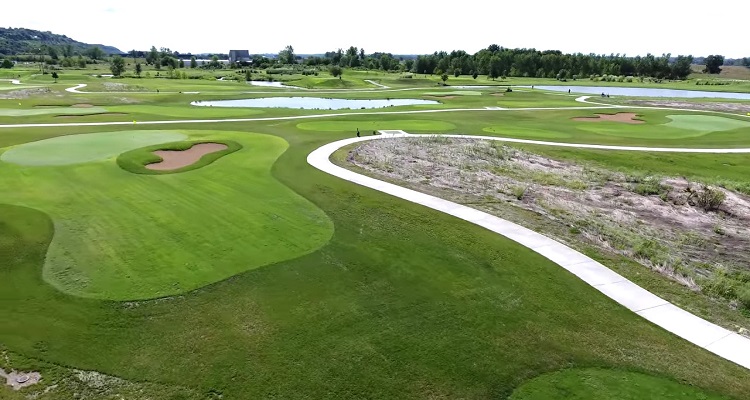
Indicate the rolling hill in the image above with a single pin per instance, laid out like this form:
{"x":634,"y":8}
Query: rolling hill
{"x":22,"y":41}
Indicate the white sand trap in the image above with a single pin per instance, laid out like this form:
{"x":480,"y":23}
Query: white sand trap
{"x":176,"y":159}
{"x":18,"y":380}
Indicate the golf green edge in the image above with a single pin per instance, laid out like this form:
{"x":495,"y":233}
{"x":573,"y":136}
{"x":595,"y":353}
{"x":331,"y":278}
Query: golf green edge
{"x":135,"y":161}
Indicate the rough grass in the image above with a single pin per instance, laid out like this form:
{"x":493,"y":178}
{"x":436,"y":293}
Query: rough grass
{"x":135,"y":161}
{"x":678,"y":228}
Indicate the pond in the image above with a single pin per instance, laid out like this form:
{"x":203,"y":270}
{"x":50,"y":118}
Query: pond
{"x":646,"y":92}
{"x":271,"y":84}
{"x":313,"y":103}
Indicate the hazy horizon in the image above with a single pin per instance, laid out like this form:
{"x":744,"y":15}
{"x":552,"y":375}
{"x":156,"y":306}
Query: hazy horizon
{"x":581,"y":26}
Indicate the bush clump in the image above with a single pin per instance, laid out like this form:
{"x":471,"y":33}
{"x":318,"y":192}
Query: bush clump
{"x":707,"y":198}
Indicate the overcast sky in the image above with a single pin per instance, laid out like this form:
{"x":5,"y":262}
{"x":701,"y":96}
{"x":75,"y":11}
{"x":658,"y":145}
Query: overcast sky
{"x":400,"y":27}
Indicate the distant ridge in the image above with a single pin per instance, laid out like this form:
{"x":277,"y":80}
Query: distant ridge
{"x":24,"y":41}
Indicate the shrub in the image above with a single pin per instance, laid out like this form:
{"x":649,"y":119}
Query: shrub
{"x":743,"y":296}
{"x":720,"y":285}
{"x":708,"y":198}
{"x":649,"y":186}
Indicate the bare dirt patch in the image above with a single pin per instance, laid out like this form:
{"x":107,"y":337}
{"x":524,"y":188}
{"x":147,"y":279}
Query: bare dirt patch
{"x":627,"y":118}
{"x":18,"y":379}
{"x":24,"y":93}
{"x":663,"y":223}
{"x":740,"y":108}
{"x":174,"y":159}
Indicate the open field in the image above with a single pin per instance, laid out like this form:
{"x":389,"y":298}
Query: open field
{"x":252,"y":275}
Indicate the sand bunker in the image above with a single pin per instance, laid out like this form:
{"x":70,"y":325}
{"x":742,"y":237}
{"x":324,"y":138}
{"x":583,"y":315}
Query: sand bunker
{"x":18,"y":380}
{"x":627,"y":118}
{"x":175,"y":159}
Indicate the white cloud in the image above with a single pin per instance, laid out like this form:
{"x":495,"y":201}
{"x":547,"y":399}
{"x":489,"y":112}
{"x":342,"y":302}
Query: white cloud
{"x":634,"y":27}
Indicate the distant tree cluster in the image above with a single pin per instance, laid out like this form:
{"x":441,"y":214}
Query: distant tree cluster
{"x":495,"y":61}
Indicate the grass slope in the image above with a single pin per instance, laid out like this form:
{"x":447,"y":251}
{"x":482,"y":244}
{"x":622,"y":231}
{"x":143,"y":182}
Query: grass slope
{"x":152,"y":236}
{"x":401,"y":302}
{"x":604,"y":384}
{"x":79,"y":149}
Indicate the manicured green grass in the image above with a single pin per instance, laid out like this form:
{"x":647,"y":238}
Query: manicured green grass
{"x":9,"y":112}
{"x":454,"y":93}
{"x":80,"y":149}
{"x":144,"y":238}
{"x":135,"y":161}
{"x":705,"y":123}
{"x":398,"y":301}
{"x":605,"y":384}
{"x":369,"y":126}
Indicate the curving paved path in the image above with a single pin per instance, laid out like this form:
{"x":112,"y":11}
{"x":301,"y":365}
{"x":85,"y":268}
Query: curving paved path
{"x":720,"y":341}
{"x":377,"y":84}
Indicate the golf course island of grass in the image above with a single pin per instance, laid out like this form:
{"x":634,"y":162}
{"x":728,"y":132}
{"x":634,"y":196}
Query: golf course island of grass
{"x":151,"y":248}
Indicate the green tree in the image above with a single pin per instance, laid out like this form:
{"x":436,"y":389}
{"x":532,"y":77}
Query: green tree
{"x":52,"y":51}
{"x":138,"y":69}
{"x":95,"y":53}
{"x":681,"y":67}
{"x":81,"y":61}
{"x":336,"y":71}
{"x":457,"y":72}
{"x":287,"y":56}
{"x":7,"y":64}
{"x":713,"y":64}
{"x":193,"y":62}
{"x":214,"y":62}
{"x":55,"y":76}
{"x":181,"y":63}
{"x":134,"y":54}
{"x":474,"y":74}
{"x":444,"y":77}
{"x":117,"y":65}
{"x":153,"y":56}
{"x":67,"y":50}
{"x":494,"y":67}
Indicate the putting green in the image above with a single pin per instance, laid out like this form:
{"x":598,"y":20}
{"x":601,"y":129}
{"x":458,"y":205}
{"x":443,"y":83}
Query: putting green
{"x":78,"y":149}
{"x":705,"y":123}
{"x":10,"y":112}
{"x":454,"y":93}
{"x":604,"y":384}
{"x":369,"y":126}
{"x":530,"y":133}
{"x":124,"y":236}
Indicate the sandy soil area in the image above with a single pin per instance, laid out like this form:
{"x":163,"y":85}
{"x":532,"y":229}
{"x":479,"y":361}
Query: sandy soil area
{"x":172,"y":159}
{"x":658,"y":221}
{"x":627,"y":118}
{"x":740,"y":108}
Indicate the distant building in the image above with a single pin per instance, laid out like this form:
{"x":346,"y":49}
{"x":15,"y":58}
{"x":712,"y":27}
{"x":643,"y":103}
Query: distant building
{"x":239,"y":56}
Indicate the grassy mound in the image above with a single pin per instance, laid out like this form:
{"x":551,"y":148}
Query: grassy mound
{"x":135,"y":161}
{"x":606,"y":384}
